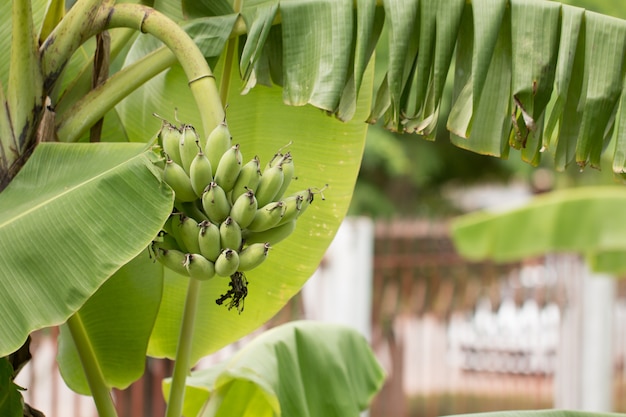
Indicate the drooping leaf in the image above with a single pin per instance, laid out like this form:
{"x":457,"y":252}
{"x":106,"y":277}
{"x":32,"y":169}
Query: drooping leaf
{"x":298,"y":369}
{"x":73,"y":215}
{"x":117,"y":320}
{"x":585,"y":220}
{"x":480,"y":120}
{"x":567,"y":86}
{"x":196,"y":8}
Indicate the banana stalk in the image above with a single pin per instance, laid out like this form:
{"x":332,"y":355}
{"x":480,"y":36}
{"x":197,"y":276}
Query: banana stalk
{"x":25,"y":89}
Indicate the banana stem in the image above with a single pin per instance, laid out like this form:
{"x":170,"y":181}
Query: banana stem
{"x":73,"y":122}
{"x":80,"y":86}
{"x":183,"y":351}
{"x":24,"y":97}
{"x":85,"y":19}
{"x":228,"y":59}
{"x":95,"y":378}
{"x":201,"y":79}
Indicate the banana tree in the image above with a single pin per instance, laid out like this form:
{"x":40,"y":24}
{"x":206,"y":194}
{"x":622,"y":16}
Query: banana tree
{"x":529,"y":75}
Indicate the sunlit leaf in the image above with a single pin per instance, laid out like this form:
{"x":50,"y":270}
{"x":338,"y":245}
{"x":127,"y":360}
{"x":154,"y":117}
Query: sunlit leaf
{"x":72,"y":216}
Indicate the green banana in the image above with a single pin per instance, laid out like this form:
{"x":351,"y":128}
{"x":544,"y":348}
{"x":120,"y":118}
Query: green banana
{"x":200,"y":172}
{"x":248,"y":178}
{"x":172,"y":227}
{"x":275,"y":159}
{"x":269,"y":184}
{"x":267,"y":216}
{"x":271,"y":236}
{"x":192,"y":209}
{"x":187,"y":146}
{"x":218,"y":142}
{"x":230,"y":234}
{"x":252,"y":256}
{"x":170,"y":137}
{"x":244,"y":209}
{"x":296,"y":204}
{"x":166,"y":241}
{"x":293,"y":206}
{"x":209,"y":240}
{"x":215,"y":203}
{"x":189,"y":234}
{"x":176,"y":177}
{"x":288,"y":174}
{"x":228,"y":168}
{"x":227,"y":263}
{"x":199,"y":267}
{"x":170,"y":258}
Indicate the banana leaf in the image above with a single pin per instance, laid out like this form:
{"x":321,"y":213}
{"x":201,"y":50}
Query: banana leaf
{"x":119,"y":338}
{"x":585,"y":220}
{"x":71,"y":217}
{"x":280,"y":373}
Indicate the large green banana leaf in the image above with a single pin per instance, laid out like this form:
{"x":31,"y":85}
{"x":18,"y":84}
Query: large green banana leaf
{"x":529,"y":74}
{"x":297,"y":369}
{"x":71,"y":217}
{"x":586,"y":220}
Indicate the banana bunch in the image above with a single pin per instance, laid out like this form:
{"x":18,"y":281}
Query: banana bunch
{"x":227,"y":214}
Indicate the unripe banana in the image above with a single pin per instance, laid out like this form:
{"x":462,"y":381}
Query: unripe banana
{"x":209,"y":240}
{"x":271,"y":236}
{"x":171,"y":258}
{"x":176,"y":177}
{"x":200,"y":172}
{"x":166,"y":241}
{"x":228,"y":168}
{"x":275,"y":160}
{"x":215,"y":203}
{"x":199,"y":267}
{"x":252,"y":256}
{"x":189,"y":234}
{"x":278,"y":156}
{"x":170,"y":137}
{"x":192,"y":209}
{"x":172,"y":227}
{"x":227,"y":263}
{"x":270,"y":183}
{"x":288,"y":174}
{"x":293,"y":206}
{"x":244,"y":209}
{"x":187,"y":146}
{"x":230,"y":234}
{"x":248,"y":178}
{"x":218,"y":142}
{"x":267,"y":216}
